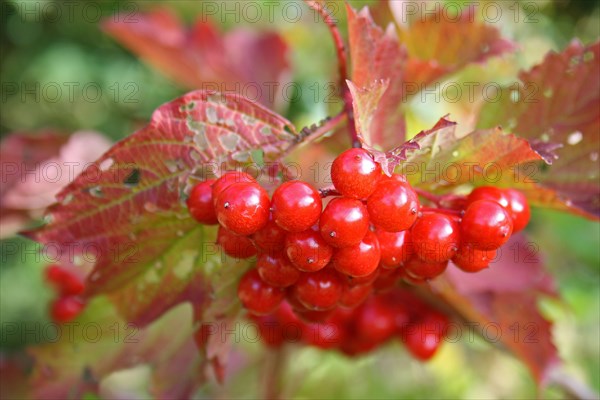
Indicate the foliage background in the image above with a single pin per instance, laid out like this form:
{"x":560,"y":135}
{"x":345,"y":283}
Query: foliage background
{"x":36,"y":48}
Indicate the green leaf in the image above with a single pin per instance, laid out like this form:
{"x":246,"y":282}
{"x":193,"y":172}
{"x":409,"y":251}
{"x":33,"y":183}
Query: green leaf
{"x":99,"y":344}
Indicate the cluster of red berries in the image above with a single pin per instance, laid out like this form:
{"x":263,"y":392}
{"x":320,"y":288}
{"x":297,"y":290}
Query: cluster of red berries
{"x":396,"y":313}
{"x":373,"y":231}
{"x":69,"y":287}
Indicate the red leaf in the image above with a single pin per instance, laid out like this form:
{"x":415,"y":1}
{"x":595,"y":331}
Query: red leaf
{"x":128,"y":209}
{"x":556,"y":108}
{"x":35,"y":167}
{"x":202,"y":58}
{"x":377,"y":55}
{"x":507,"y":313}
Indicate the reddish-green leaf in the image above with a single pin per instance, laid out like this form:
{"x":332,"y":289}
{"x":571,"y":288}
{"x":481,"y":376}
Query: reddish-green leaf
{"x":100,"y":344}
{"x":128,"y":209}
{"x":506,"y":314}
{"x":444,"y":160}
{"x":202,"y":58}
{"x":35,"y":166}
{"x":377,"y":55}
{"x":438,"y":45}
{"x":555,"y":106}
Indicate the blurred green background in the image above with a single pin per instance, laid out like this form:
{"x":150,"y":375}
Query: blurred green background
{"x":37,"y":48}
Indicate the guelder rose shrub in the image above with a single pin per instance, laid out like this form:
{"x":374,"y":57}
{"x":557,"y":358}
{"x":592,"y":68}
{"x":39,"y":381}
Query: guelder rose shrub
{"x":389,"y":250}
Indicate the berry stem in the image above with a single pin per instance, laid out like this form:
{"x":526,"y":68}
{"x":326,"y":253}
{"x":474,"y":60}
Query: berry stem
{"x":438,"y":200}
{"x":329,"y":191}
{"x":342,"y":67}
{"x":427,"y":195}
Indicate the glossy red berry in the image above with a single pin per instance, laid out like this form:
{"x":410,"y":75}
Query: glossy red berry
{"x":362,"y":280}
{"x":307,"y":250}
{"x":319,"y":290}
{"x":66,"y":308}
{"x":485,"y":225}
{"x":358,"y":260}
{"x":394,"y":177}
{"x":296,"y":206}
{"x":419,"y":269}
{"x":200,"y":203}
{"x":228,"y":179}
{"x":518,"y":208}
{"x":491,"y":193}
{"x":393,"y":206}
{"x":396,"y":247}
{"x":243,"y":208}
{"x":470,"y":259}
{"x":435,"y":237}
{"x":276,"y":269}
{"x":355,"y":295}
{"x":344,"y":222}
{"x":513,"y":201}
{"x":270,"y":238}
{"x":235,"y":245}
{"x":66,"y":282}
{"x":258,"y":297}
{"x":355,"y":174}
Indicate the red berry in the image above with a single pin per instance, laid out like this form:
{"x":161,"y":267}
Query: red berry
{"x":486,"y":225}
{"x":66,"y":282}
{"x":344,"y":222}
{"x":258,"y":297}
{"x":296,"y":206}
{"x":228,"y":179}
{"x":270,"y":238}
{"x":66,"y":308}
{"x":375,"y":321}
{"x":276,"y":269}
{"x":419,"y":269}
{"x":513,"y":201}
{"x":235,"y":245}
{"x":387,"y":279}
{"x":488,"y":193}
{"x":200,"y":203}
{"x":362,"y":280}
{"x":319,"y":290}
{"x":355,"y":174}
{"x":435,"y":237}
{"x":358,"y":260}
{"x":394,"y":177}
{"x":396,"y":247}
{"x":518,"y":208}
{"x":243,"y":208}
{"x":424,"y":337}
{"x":393,"y":206}
{"x":269,"y":329}
{"x":307,"y":250}
{"x":470,"y":259}
{"x":354,"y":295}
{"x":313,"y":316}
{"x":325,"y":335}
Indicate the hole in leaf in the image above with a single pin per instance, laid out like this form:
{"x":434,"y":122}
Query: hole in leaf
{"x":133,"y":179}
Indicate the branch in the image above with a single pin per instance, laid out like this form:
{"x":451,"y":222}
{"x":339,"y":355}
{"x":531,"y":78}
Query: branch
{"x":314,"y":132}
{"x":272,"y":370}
{"x":342,"y":66}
